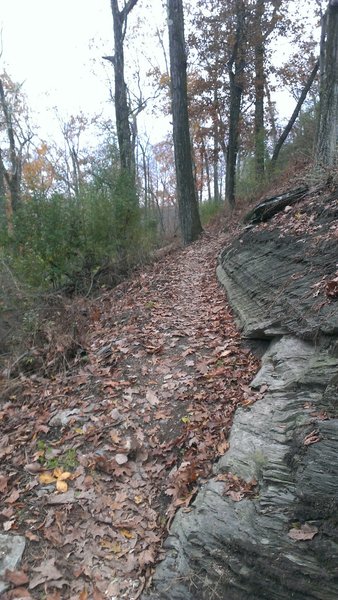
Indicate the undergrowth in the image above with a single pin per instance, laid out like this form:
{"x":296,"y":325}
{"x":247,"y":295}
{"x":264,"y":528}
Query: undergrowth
{"x":60,"y":241}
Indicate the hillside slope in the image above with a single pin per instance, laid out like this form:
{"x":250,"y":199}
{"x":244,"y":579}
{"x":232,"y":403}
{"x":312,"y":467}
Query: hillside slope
{"x":276,"y":537}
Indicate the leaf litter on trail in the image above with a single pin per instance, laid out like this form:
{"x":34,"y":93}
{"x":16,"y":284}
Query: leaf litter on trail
{"x":153,"y":407}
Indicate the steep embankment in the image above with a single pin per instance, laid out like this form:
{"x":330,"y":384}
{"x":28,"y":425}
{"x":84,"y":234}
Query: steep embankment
{"x":277,"y":538}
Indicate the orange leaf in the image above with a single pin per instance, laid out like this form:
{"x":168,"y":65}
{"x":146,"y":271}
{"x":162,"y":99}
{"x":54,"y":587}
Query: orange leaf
{"x":61,"y":486}
{"x":46,"y":478}
{"x":127,"y":534}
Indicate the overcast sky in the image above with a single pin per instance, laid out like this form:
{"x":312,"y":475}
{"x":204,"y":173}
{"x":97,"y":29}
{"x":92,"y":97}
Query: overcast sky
{"x":55,"y":49}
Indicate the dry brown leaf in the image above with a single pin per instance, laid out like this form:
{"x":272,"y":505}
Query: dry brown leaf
{"x":235,"y":496}
{"x":19,"y":593}
{"x":16,"y":577}
{"x":311,"y":438}
{"x":303,"y":533}
{"x":32,"y":537}
{"x":60,"y":474}
{"x":129,"y":535}
{"x":115,"y":547}
{"x":61,"y":486}
{"x":147,"y":557}
{"x":223,"y":447}
{"x":15,"y":495}
{"x":3,"y":484}
{"x":152,"y":398}
{"x":46,"y":478}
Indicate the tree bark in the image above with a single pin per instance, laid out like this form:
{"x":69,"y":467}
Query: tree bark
{"x":235,"y":69}
{"x":124,"y":136}
{"x":259,"y":92}
{"x":271,"y":112}
{"x":12,"y":175}
{"x":294,"y":115}
{"x":189,"y":218}
{"x":215,"y":170}
{"x":326,"y":146}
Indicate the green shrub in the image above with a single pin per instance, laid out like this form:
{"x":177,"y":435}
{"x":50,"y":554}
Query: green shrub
{"x":208,"y":210}
{"x":57,"y":240}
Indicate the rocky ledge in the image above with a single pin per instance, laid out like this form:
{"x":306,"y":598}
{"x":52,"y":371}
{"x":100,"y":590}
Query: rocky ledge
{"x":277,"y":537}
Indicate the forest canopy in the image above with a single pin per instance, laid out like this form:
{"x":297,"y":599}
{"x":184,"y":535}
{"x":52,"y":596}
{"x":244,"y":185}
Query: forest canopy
{"x":104,"y":193}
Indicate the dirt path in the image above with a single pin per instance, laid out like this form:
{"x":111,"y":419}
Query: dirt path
{"x":96,"y":460}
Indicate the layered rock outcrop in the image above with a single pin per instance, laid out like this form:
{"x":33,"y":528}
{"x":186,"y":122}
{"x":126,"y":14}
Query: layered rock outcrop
{"x":281,"y":542}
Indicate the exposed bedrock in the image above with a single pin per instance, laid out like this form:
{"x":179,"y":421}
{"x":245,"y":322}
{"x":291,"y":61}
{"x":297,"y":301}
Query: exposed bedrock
{"x":282,"y":542}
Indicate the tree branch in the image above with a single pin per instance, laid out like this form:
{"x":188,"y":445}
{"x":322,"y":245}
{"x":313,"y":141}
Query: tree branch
{"x":128,"y":7}
{"x":294,"y":114}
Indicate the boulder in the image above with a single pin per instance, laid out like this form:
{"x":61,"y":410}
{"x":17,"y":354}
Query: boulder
{"x":11,"y":551}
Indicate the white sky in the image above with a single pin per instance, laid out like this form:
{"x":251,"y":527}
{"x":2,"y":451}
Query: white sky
{"x":46,"y":45}
{"x":55,"y":49}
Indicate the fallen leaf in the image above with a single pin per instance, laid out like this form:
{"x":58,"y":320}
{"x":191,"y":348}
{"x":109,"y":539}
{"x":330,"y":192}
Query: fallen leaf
{"x":311,"y":438}
{"x":127,"y":534}
{"x":46,"y":478}
{"x":147,"y":557}
{"x":115,"y":437}
{"x":33,"y":468}
{"x":15,"y":495}
{"x":332,"y":288}
{"x":152,"y":398}
{"x":223,"y":447}
{"x":303,"y":533}
{"x":16,"y":577}
{"x":32,"y":537}
{"x":60,"y":474}
{"x":19,"y":593}
{"x":61,"y":486}
{"x":235,"y":496}
{"x":3,"y":484}
{"x":47,"y":571}
{"x":115,"y":547}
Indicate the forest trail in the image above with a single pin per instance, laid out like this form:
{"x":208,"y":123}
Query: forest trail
{"x":97,"y":459}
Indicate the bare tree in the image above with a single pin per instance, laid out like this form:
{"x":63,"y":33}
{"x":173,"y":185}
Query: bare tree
{"x":11,"y":151}
{"x":189,"y":218}
{"x":235,"y":68}
{"x":294,"y":115}
{"x":124,"y":133}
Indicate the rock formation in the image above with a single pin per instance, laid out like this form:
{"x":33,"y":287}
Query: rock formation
{"x":281,"y":541}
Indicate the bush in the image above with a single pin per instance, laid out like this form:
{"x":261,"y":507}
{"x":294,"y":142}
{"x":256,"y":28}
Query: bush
{"x":58,"y":240}
{"x":208,"y":210}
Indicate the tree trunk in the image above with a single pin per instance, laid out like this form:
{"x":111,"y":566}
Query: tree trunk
{"x":216,"y":149}
{"x":124,"y":136}
{"x":236,"y":66}
{"x":207,"y":169}
{"x":326,"y":147}
{"x":259,"y":92}
{"x":294,"y":115}
{"x":272,"y":115}
{"x":186,"y":193}
{"x":11,"y":176}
